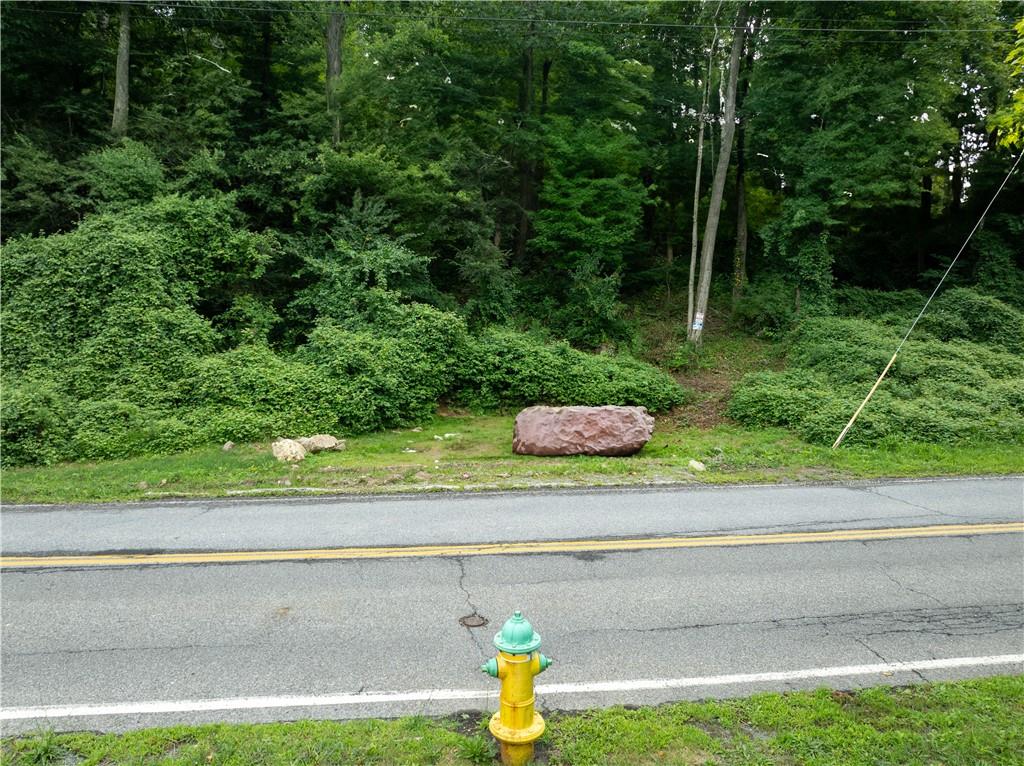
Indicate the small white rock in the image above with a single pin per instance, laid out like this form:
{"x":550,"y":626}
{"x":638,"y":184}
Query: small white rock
{"x":439,"y":438}
{"x":321,"y":442}
{"x":288,"y":450}
{"x":696,"y":465}
{"x":228,"y":446}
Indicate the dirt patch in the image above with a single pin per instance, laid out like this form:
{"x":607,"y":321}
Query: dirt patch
{"x":469,"y":722}
{"x":714,"y":388}
{"x":714,"y":371}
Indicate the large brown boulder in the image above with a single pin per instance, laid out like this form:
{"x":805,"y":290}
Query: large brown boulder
{"x":607,"y":430}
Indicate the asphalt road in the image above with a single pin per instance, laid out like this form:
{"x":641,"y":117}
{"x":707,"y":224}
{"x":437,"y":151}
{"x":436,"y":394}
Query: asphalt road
{"x":498,"y":517}
{"x":285,"y":640}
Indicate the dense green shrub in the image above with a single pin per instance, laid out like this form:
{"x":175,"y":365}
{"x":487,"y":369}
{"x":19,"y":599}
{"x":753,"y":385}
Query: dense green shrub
{"x":510,"y":369}
{"x":875,"y":305}
{"x":122,"y":176}
{"x":969,"y":315}
{"x":944,"y":391}
{"x":34,"y":422}
{"x":173,"y":254}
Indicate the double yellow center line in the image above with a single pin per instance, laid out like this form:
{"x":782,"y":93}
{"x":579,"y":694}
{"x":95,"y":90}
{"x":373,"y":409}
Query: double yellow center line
{"x":503,"y":549}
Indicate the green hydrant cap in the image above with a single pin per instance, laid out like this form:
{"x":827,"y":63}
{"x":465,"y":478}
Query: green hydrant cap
{"x":517,"y":636}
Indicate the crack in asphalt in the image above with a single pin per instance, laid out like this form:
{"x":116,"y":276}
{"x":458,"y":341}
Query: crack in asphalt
{"x":105,"y":650}
{"x":460,"y":562}
{"x":878,"y":493}
{"x":892,"y":578}
{"x":871,"y":649}
{"x":946,"y":621}
{"x":882,"y":657}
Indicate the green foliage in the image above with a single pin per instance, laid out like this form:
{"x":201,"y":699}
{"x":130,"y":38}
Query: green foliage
{"x":233,"y":268}
{"x":958,"y":382}
{"x":766,"y":308}
{"x":39,"y":192}
{"x":878,"y":305}
{"x":999,"y":269}
{"x":1009,"y":120}
{"x":34,"y":422}
{"x":393,"y":375}
{"x":799,"y":245}
{"x":142,"y":270}
{"x":122,"y":176}
{"x":363,"y":267}
{"x":508,"y":369}
{"x":966,"y":314}
{"x":592,"y":201}
{"x":478,"y":749}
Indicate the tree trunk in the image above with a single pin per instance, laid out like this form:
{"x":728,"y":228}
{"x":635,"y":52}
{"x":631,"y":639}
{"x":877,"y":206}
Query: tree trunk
{"x":335,"y":32}
{"x":119,"y":123}
{"x":739,"y":260}
{"x":957,"y":182}
{"x":924,"y":222}
{"x":525,"y":163}
{"x":669,"y":254}
{"x":696,"y":184}
{"x":538,"y":167}
{"x":739,"y":256}
{"x":545,"y":73}
{"x":267,"y":54}
{"x":696,"y":212}
{"x":718,"y":184}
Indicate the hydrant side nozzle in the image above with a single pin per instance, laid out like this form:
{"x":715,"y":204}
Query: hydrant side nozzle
{"x":545,"y":663}
{"x":490,"y":667}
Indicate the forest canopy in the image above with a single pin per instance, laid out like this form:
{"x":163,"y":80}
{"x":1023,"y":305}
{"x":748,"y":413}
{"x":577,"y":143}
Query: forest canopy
{"x":238,"y":220}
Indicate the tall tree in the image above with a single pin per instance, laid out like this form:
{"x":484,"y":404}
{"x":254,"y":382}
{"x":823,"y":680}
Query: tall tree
{"x":702,"y":119}
{"x":119,"y":123}
{"x":526,"y":165}
{"x":335,"y":33}
{"x":718,"y":184}
{"x":739,"y":259}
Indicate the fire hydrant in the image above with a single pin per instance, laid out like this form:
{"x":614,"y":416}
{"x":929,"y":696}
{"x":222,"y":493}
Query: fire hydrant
{"x":516,"y":724}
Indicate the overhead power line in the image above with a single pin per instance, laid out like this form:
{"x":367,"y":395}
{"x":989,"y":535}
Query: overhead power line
{"x":604,"y":22}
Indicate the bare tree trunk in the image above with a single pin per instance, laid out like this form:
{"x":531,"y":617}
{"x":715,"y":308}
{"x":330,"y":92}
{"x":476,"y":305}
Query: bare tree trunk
{"x":718,"y":184}
{"x":119,"y":123}
{"x":335,"y":32}
{"x":696,"y":185}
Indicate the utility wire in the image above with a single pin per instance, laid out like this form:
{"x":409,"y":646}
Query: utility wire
{"x":521,"y":20}
{"x":963,"y":247}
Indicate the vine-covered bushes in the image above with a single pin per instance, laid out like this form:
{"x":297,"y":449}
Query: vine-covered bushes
{"x":136,"y":334}
{"x":504,"y":369}
{"x":959,"y":379}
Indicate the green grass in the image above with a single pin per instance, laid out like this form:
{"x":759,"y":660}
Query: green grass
{"x":966,"y":723}
{"x":479,"y":457}
{"x":466,"y":452}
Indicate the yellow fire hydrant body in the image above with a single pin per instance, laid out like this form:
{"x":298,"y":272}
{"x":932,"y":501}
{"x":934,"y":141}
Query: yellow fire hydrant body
{"x":516,"y":724}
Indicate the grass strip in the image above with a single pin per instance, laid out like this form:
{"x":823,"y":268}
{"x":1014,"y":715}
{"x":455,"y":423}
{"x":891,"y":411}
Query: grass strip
{"x":979,"y":721}
{"x":468,"y":452}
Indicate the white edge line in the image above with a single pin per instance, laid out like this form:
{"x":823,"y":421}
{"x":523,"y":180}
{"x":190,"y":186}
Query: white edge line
{"x":331,"y":700}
